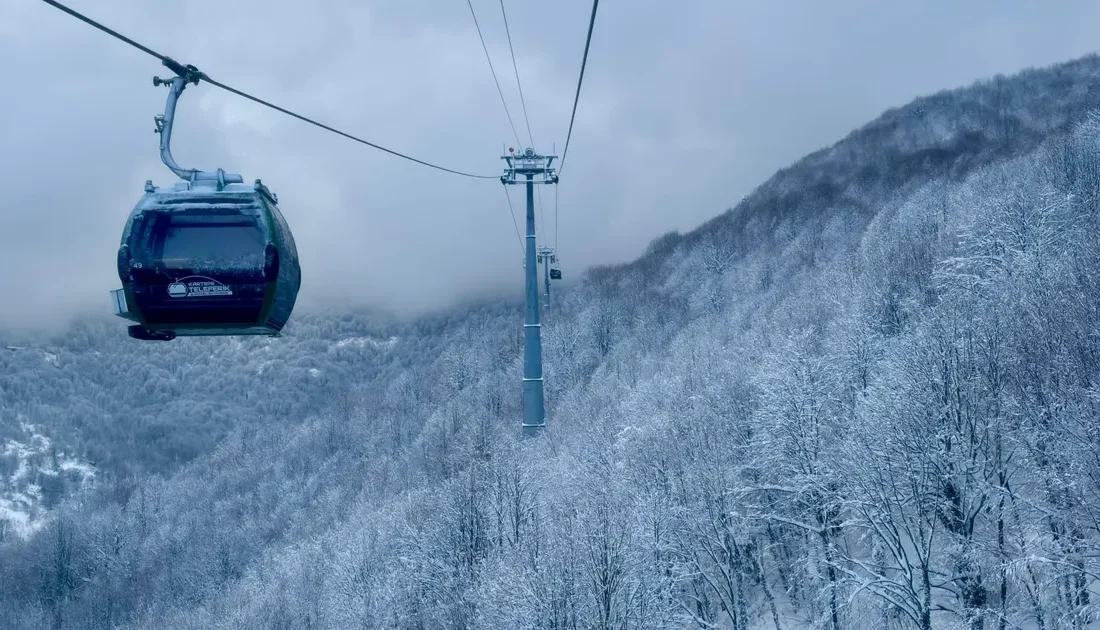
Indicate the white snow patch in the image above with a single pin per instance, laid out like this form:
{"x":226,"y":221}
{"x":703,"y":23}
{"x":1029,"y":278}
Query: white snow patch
{"x":363,"y":342}
{"x":314,"y":372}
{"x":19,"y":521}
{"x":20,"y":496}
{"x":22,"y":469}
{"x":85,"y":470}
{"x":267,"y":365}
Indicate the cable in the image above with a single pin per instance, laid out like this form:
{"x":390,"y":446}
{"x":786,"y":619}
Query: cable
{"x":338,"y":132}
{"x":542,"y":217}
{"x":181,"y":70}
{"x":587,"y":43}
{"x":499,"y":91}
{"x":555,"y":218}
{"x":508,"y":32}
{"x":91,"y":22}
{"x":526,"y":119}
{"x":514,"y":223}
{"x":511,"y":209}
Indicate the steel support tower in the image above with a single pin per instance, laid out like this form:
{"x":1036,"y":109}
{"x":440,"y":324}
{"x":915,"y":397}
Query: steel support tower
{"x":531,"y":168}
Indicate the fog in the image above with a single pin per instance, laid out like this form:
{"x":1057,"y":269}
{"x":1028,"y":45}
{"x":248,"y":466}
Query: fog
{"x":684,"y":110}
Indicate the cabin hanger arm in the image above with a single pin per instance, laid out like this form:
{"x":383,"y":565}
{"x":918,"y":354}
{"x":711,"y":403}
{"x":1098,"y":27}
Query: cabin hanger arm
{"x":176,"y":85}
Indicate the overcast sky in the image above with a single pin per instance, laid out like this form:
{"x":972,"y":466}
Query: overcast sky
{"x":686,"y":107}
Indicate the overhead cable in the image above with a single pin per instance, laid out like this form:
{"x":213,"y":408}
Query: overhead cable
{"x":491,"y":69}
{"x":519,"y":85}
{"x":192,"y":72}
{"x":584,"y":60}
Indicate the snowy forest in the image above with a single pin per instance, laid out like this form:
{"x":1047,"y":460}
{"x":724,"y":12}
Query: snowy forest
{"x":865,"y":397}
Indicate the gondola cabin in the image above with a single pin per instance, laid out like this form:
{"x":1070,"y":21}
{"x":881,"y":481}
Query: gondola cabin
{"x":206,"y":258}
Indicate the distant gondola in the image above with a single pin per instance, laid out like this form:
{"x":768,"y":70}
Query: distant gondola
{"x":208,"y":256}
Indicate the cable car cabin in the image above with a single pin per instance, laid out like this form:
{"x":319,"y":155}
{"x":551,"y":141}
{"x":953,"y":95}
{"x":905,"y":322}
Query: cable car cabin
{"x":196,"y":260}
{"x":555,"y":274}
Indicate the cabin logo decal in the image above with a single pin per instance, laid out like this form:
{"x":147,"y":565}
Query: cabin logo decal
{"x":198,"y":286}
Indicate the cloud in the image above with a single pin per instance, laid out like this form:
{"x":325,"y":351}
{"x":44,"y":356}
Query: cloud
{"x":683,"y":111}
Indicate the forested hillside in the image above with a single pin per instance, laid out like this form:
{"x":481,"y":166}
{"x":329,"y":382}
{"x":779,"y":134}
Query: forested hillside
{"x":865,"y":397}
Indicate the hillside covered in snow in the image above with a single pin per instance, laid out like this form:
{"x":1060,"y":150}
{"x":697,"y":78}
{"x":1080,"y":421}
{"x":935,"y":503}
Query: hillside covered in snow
{"x":865,"y":397}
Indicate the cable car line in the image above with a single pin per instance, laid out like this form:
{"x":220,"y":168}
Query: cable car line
{"x":515,"y":224}
{"x":503,"y":101}
{"x":584,"y":60}
{"x":542,"y":217}
{"x":341,"y":133}
{"x":522,"y":102}
{"x":192,"y":73}
{"x":491,"y":69}
{"x":555,"y":217}
{"x":87,"y":20}
{"x":511,"y":50}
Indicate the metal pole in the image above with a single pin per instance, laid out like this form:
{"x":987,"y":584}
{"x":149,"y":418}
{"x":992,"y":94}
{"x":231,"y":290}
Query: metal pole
{"x":534,"y":412}
{"x":535,"y":170}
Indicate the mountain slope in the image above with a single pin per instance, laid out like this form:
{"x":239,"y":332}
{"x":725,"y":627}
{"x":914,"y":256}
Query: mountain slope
{"x":863,"y":398}
{"x":105,"y":403}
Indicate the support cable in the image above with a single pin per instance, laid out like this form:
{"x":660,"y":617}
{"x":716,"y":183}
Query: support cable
{"x":587,"y":43}
{"x":512,"y":212}
{"x":191,"y":71}
{"x":542,"y":218}
{"x":511,"y":50}
{"x":491,"y":69}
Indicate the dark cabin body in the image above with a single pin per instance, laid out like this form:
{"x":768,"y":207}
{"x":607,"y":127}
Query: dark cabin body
{"x":203,"y":259}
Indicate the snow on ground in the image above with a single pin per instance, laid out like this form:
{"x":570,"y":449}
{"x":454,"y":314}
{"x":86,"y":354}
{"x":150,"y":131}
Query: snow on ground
{"x":363,"y":342}
{"x":21,"y":509}
{"x":15,"y":520}
{"x":86,"y":470}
